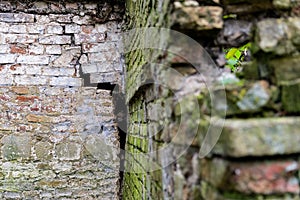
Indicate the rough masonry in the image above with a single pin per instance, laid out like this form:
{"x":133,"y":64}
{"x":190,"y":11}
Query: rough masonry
{"x":170,"y":105}
{"x":58,"y":133}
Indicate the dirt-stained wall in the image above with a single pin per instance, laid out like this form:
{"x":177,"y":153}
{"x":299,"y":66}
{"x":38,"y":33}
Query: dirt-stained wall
{"x":59,"y":138}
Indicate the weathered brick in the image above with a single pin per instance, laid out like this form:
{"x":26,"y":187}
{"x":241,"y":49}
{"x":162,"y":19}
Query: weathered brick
{"x":6,"y":80}
{"x":16,"y":17}
{"x":17,"y":69}
{"x":72,"y":28}
{"x":103,"y":57}
{"x":20,"y":38}
{"x":53,"y":39}
{"x":36,"y":28}
{"x":54,"y":29}
{"x":33,"y":59}
{"x":7,"y":58}
{"x":71,"y":6}
{"x":82,"y":20}
{"x":104,"y":77}
{"x":36,"y":49}
{"x":93,"y":48}
{"x":4,"y":48}
{"x":58,"y":71}
{"x":101,"y":28}
{"x":30,"y":80}
{"x":33,"y":70}
{"x":89,"y":38}
{"x":53,"y":49}
{"x":37,"y":118}
{"x":18,"y":29}
{"x":42,"y":19}
{"x":20,"y":90}
{"x":4,"y":27}
{"x":19,"y":49}
{"x":89,"y":68}
{"x":65,"y":81}
{"x":66,"y":18}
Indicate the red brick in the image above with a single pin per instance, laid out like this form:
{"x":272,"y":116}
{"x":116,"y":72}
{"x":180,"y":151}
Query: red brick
{"x":265,"y":178}
{"x":20,"y":90}
{"x":14,"y":67}
{"x":26,"y":98}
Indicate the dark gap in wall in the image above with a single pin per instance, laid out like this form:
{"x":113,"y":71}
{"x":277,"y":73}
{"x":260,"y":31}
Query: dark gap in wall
{"x":86,"y":78}
{"x":251,"y":159}
{"x":121,"y":113}
{"x":106,"y":86}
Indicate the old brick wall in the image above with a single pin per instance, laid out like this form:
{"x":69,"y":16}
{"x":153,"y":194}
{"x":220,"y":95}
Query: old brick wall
{"x":257,"y":154}
{"x":58,"y":132}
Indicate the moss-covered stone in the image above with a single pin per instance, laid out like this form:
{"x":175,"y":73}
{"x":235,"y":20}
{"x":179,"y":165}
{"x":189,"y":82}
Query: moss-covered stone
{"x":290,"y":96}
{"x":258,"y":137}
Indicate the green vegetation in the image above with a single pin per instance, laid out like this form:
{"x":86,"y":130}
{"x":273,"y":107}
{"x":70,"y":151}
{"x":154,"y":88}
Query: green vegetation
{"x":234,"y":56}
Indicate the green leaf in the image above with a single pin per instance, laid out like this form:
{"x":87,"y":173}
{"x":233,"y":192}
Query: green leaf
{"x":231,"y":53}
{"x":238,"y":54}
{"x":232,"y":61}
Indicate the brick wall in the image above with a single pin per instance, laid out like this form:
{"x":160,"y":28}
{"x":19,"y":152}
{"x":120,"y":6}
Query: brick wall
{"x":257,"y":154}
{"x":59,"y":138}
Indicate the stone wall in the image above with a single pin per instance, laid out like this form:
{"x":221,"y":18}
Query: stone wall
{"x":59,"y":137}
{"x":171,"y":105}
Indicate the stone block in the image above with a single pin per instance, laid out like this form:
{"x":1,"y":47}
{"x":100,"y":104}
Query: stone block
{"x":278,"y":36}
{"x":258,"y":137}
{"x":69,"y":54}
{"x":290,"y":96}
{"x":198,"y":18}
{"x":43,"y":150}
{"x":104,"y":77}
{"x":267,"y":177}
{"x":15,"y":146}
{"x":245,"y":98}
{"x":68,"y":151}
{"x":285,"y":69}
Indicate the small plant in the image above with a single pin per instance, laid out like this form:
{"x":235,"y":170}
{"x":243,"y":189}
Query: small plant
{"x":235,"y":56}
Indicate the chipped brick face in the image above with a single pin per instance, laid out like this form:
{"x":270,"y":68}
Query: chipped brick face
{"x":58,"y":136}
